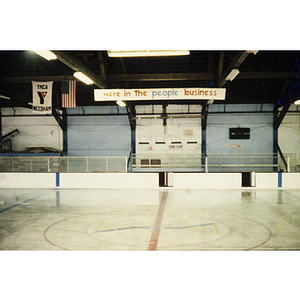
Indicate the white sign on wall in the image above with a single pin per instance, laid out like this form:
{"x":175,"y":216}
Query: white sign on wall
{"x":235,"y":146}
{"x":159,"y":94}
{"x":42,"y":96}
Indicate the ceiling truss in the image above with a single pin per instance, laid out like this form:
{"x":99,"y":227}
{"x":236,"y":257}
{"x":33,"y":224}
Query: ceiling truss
{"x":263,"y":78}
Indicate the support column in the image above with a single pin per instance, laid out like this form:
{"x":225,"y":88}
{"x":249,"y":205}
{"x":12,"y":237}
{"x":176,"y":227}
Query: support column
{"x":275,"y":138}
{"x":277,"y":123}
{"x":0,"y":123}
{"x":282,"y":115}
{"x":203,"y":134}
{"x":133,"y":137}
{"x":65,"y":131}
{"x":131,"y":116}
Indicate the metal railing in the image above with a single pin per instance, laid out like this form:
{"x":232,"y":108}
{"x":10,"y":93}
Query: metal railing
{"x":63,"y":164}
{"x":252,"y":162}
{"x":291,"y":164}
{"x":248,"y":162}
{"x":162,"y":161}
{"x":216,"y":162}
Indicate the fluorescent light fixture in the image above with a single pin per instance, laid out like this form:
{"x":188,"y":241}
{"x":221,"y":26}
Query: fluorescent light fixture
{"x":232,"y":74}
{"x":4,"y":97}
{"x":297,"y":102}
{"x":46,"y":54}
{"x":143,"y":53}
{"x":83,"y":78}
{"x":253,"y":51}
{"x":121,"y":103}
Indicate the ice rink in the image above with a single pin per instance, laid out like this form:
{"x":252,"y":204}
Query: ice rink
{"x":161,"y":220}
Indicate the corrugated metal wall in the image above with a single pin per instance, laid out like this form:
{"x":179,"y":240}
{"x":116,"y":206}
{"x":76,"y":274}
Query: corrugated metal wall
{"x":94,"y":135}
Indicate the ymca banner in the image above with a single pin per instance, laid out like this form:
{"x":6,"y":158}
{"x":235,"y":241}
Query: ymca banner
{"x":160,"y":94}
{"x":42,"y":96}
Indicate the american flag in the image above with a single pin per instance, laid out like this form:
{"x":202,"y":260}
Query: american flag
{"x":68,"y":94}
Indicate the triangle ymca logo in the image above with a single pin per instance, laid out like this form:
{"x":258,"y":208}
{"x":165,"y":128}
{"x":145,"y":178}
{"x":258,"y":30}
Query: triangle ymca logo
{"x":42,"y":96}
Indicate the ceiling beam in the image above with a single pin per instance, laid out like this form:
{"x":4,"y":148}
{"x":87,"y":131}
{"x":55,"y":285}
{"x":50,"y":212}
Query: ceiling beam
{"x":77,"y":65}
{"x":221,"y":62}
{"x":267,"y":75}
{"x":38,"y":64}
{"x":28,"y":79}
{"x":123,"y":65}
{"x":102,"y":68}
{"x":200,"y":76}
{"x":160,"y":77}
{"x":124,"y":69}
{"x":234,"y":64}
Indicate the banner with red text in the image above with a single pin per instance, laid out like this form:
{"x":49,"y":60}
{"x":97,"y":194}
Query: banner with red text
{"x":159,"y":94}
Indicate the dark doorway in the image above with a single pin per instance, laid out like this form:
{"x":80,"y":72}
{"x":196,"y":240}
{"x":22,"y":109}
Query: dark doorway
{"x":246,"y":179}
{"x":162,"y":179}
